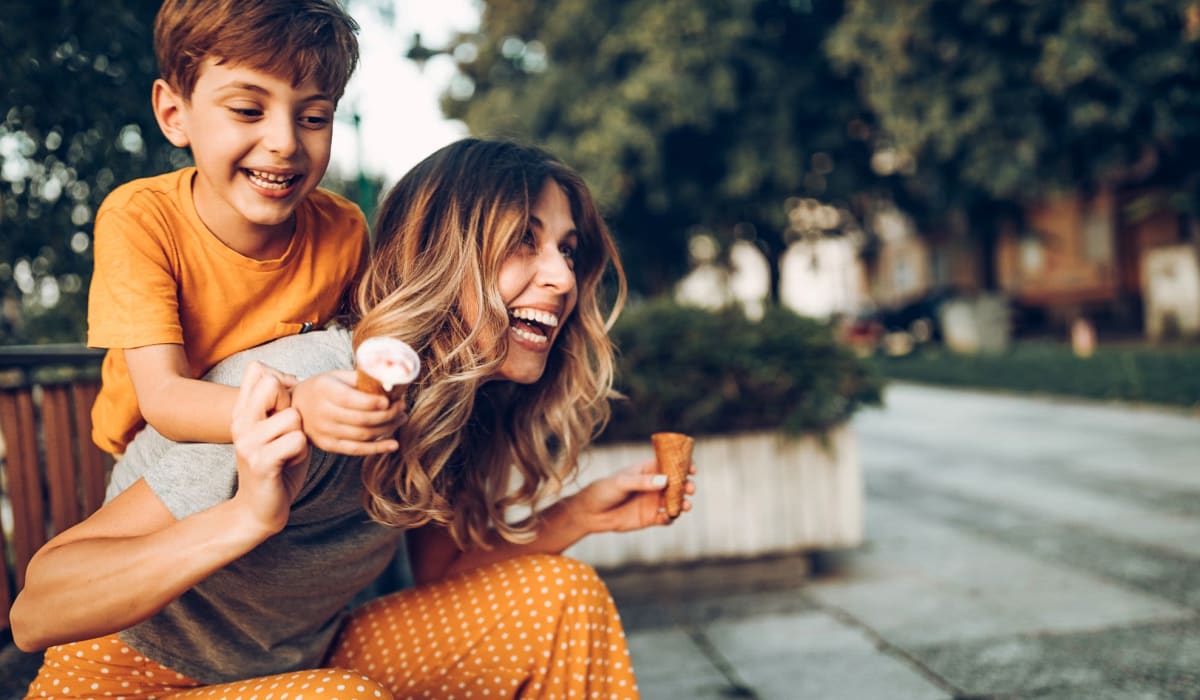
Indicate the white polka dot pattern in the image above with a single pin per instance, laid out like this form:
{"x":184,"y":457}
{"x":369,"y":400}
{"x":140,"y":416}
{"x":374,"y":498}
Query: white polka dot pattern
{"x":531,"y":627}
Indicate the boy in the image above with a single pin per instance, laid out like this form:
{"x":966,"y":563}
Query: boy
{"x":195,"y":265}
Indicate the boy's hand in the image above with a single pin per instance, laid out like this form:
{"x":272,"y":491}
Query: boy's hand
{"x":339,"y":418}
{"x":271,"y":449}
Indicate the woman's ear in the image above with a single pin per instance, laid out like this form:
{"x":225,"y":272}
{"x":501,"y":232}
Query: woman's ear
{"x":169,"y":112}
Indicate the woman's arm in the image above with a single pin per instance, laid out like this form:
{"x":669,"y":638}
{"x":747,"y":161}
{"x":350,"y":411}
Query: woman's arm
{"x":132,"y":557}
{"x":628,"y":500}
{"x":120,"y":566}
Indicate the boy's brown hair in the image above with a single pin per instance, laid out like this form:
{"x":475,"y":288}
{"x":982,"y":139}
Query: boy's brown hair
{"x":299,"y":39}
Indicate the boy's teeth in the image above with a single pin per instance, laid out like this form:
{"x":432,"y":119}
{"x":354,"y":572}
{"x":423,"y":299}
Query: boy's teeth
{"x":543,"y":317}
{"x":270,"y":180}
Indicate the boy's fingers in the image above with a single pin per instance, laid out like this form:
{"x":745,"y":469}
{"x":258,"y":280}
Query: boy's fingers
{"x":362,"y":449}
{"x":394,"y":415}
{"x":374,"y":421}
{"x":355,"y":398}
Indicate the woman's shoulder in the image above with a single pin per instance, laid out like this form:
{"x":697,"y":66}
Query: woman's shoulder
{"x":302,"y":354}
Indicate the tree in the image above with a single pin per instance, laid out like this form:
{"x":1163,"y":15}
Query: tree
{"x":683,"y":115}
{"x":999,"y":101}
{"x":77,"y":122}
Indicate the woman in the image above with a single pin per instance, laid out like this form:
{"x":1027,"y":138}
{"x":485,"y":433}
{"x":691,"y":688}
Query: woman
{"x":489,"y":262}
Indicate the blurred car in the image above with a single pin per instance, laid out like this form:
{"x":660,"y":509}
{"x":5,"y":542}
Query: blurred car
{"x":916,"y":323}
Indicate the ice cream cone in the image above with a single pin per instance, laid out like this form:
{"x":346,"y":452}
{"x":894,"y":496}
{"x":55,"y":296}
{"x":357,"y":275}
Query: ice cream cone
{"x":674,"y":454}
{"x":385,"y":366}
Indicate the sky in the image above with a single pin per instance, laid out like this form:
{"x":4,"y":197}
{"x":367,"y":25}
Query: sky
{"x":396,"y":100}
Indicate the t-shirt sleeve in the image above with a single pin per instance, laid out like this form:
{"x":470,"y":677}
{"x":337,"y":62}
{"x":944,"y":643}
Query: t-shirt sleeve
{"x":193,"y":477}
{"x":134,"y":296}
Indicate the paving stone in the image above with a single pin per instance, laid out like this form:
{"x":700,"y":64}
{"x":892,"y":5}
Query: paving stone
{"x":698,"y":593}
{"x":1141,"y":661}
{"x":1154,"y":570}
{"x":670,"y":665}
{"x":925,"y":582}
{"x":812,"y":655}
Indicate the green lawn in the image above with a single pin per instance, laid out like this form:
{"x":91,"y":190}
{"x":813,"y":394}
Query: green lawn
{"x":1162,"y":375}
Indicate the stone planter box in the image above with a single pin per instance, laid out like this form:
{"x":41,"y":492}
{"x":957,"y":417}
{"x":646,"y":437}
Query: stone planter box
{"x":756,"y":493}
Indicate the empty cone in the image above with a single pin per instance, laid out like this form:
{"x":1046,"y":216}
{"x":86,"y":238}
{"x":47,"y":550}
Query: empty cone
{"x":674,"y":454}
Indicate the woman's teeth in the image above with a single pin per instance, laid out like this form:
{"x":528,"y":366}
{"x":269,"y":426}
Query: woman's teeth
{"x":529,"y":335}
{"x":537,"y":316}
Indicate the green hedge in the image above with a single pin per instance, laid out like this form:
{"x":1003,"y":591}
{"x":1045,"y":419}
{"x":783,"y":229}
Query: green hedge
{"x":1167,"y":375}
{"x":703,"y":372}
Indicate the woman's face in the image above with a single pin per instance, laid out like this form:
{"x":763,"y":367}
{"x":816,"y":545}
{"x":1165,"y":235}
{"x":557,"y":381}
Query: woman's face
{"x":537,"y":283}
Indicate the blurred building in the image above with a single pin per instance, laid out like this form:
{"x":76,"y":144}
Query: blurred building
{"x":823,"y":278}
{"x":1124,"y":261}
{"x":1086,"y":256}
{"x":745,"y":281}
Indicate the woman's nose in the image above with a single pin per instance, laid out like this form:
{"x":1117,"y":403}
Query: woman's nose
{"x":555,"y":270}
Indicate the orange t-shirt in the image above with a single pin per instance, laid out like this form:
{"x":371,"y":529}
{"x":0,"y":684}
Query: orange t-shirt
{"x":161,"y":277}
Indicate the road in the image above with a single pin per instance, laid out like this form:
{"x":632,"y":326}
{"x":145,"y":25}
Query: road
{"x":1016,"y":548}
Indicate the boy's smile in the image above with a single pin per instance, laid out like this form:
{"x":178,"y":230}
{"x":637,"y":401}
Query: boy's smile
{"x":261,"y":145}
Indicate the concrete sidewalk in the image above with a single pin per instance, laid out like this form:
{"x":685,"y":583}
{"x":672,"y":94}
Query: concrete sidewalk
{"x":1016,"y":548}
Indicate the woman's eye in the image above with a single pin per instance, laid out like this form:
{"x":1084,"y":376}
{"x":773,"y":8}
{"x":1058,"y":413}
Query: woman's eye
{"x":315,"y":121}
{"x":528,"y":240}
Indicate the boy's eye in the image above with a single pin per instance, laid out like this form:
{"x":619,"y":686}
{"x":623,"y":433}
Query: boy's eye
{"x":246,"y":112}
{"x":315,"y":121}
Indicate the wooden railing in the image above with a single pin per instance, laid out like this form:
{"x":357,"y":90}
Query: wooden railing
{"x":51,"y":474}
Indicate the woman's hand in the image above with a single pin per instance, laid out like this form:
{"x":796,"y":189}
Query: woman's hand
{"x":272,"y":451}
{"x":340,"y":418}
{"x":631,"y":499}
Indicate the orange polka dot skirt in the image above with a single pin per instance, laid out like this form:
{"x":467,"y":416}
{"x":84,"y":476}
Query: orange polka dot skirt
{"x":531,"y":627}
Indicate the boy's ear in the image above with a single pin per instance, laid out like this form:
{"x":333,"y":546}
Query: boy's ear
{"x":168,"y":110}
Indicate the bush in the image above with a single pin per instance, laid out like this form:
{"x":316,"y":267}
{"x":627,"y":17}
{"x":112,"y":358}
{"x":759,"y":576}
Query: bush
{"x":703,"y":372}
{"x":1165,"y":375}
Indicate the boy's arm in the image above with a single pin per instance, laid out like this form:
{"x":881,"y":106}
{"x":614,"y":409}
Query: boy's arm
{"x":180,"y":407}
{"x":337,"y":417}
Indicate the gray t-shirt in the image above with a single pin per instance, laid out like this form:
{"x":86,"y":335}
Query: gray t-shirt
{"x":277,"y":608}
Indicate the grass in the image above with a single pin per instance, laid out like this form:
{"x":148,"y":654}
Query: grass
{"x":1168,"y":375}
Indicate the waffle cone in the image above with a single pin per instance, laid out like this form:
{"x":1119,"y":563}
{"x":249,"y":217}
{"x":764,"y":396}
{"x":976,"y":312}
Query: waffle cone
{"x":365,"y":382}
{"x":674,"y":454}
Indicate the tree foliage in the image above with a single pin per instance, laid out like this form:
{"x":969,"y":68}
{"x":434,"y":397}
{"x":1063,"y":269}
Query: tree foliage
{"x":680,"y":113}
{"x":76,"y":122}
{"x":711,"y":114}
{"x":1009,"y":98}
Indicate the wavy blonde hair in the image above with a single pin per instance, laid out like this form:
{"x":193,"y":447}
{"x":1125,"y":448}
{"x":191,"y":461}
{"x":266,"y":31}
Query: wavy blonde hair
{"x":441,"y":237}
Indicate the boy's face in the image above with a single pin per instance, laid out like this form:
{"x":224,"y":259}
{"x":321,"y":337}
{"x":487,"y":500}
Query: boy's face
{"x":260,"y":144}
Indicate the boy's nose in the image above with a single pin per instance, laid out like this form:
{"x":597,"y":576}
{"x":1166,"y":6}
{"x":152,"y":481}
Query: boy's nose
{"x":279,"y":137}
